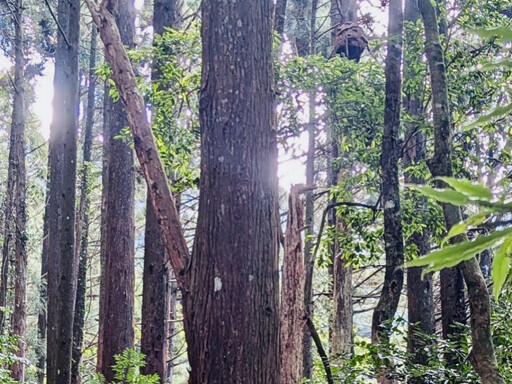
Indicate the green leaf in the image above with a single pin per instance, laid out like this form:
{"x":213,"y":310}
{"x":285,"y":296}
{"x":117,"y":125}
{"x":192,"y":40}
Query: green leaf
{"x":501,"y":266}
{"x":456,"y":230}
{"x":482,"y":120}
{"x":503,"y":33}
{"x":468,"y":188}
{"x":443,"y":195}
{"x":453,"y":254}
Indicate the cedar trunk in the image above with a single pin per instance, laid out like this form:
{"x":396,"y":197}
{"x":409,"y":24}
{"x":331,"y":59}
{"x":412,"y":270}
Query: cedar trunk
{"x":61,"y":261}
{"x":119,"y":275}
{"x":19,"y":315}
{"x":231,"y":313}
{"x":482,"y":356}
{"x":82,"y":232}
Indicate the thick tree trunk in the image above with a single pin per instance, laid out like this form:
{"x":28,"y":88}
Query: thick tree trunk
{"x":19,"y":315}
{"x":420,"y":299}
{"x":230,"y":286}
{"x":118,"y":326}
{"x":394,"y":275}
{"x":156,"y":290}
{"x":61,"y":261}
{"x":482,"y":355}
{"x":231,"y":307}
{"x":279,"y":17}
{"x":82,"y":233}
{"x":293,"y":311}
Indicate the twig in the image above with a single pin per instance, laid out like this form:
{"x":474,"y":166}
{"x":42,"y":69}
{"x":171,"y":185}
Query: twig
{"x":320,"y":349}
{"x":58,"y":24}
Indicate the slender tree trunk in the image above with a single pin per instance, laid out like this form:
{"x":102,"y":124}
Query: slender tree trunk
{"x":19,"y":315}
{"x":156,"y":290}
{"x":61,"y":261}
{"x":43,"y":285}
{"x":293,"y":311}
{"x":482,"y":355}
{"x":107,"y":106}
{"x":82,"y":233}
{"x":420,"y":300}
{"x":342,"y":322}
{"x":118,"y":326}
{"x":230,"y":285}
{"x":310,"y":209}
{"x":394,"y":276}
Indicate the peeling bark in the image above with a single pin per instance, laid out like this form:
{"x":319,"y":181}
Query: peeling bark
{"x":293,"y":311}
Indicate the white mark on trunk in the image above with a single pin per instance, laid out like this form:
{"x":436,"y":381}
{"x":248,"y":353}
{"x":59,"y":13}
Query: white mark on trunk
{"x":390,"y":204}
{"x":251,"y":277}
{"x":217,"y":284}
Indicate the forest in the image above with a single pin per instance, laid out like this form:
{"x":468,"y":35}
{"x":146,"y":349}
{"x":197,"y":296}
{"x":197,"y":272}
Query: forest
{"x":255,"y":191}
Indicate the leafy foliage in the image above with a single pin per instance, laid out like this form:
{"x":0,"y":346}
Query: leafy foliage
{"x":126,"y":370}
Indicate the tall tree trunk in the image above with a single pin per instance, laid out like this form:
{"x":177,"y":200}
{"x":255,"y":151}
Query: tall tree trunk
{"x":394,"y":275}
{"x":231,"y":307}
{"x":61,"y":261}
{"x":107,"y":106}
{"x":420,"y":300}
{"x":342,"y":323}
{"x":82,"y":233}
{"x":482,"y":355}
{"x":230,"y":285}
{"x":310,"y":208}
{"x":43,"y":288}
{"x":118,"y":326}
{"x":156,"y":290}
{"x":293,"y":311}
{"x":19,"y":315}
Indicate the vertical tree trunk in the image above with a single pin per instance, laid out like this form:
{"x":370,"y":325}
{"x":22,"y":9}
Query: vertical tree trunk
{"x":293,"y":311}
{"x":43,"y":291}
{"x":118,"y":327}
{"x":394,"y":275}
{"x":231,"y":307}
{"x":482,"y":355}
{"x":420,"y":299}
{"x":82,"y":233}
{"x":107,"y":106}
{"x":61,"y":261}
{"x":310,"y":208}
{"x":18,"y":131}
{"x":342,"y":322}
{"x":156,"y":290}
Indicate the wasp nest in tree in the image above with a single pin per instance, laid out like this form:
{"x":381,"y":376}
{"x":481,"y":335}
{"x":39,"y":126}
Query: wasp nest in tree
{"x":350,"y":41}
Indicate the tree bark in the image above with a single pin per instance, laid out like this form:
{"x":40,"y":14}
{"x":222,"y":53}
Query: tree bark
{"x":156,"y":279}
{"x":231,"y":307}
{"x":19,"y":315}
{"x":394,"y":275}
{"x":482,"y":355}
{"x":118,"y":326}
{"x":61,"y":261}
{"x":293,"y":311}
{"x":279,"y":17}
{"x":82,"y":233}
{"x":420,"y":300}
